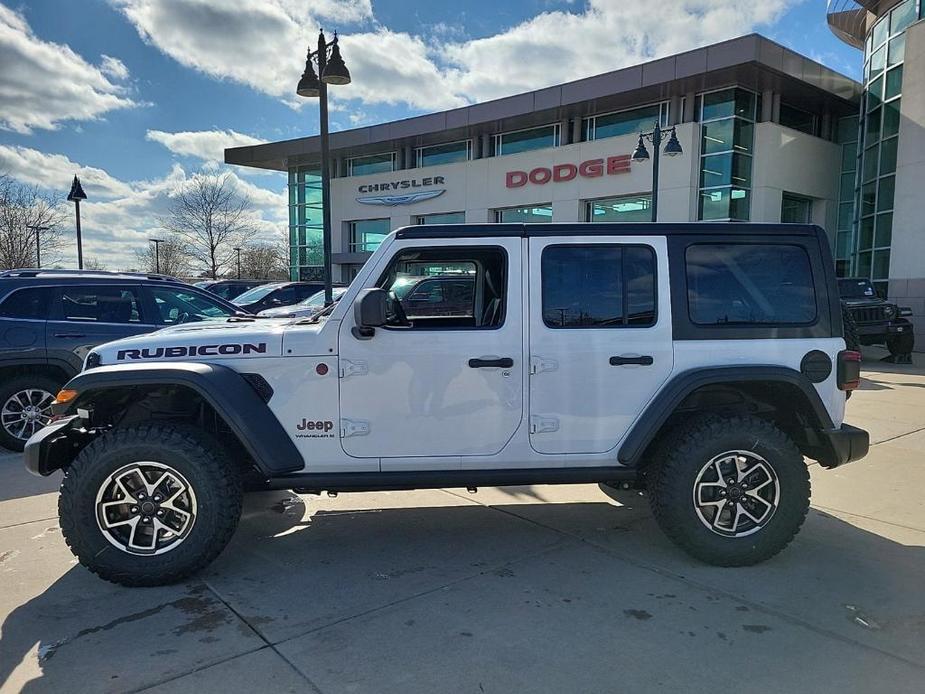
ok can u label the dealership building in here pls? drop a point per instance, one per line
(767, 135)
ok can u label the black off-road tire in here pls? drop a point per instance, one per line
(850, 330)
(901, 345)
(204, 463)
(16, 385)
(672, 479)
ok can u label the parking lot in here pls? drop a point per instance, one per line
(512, 589)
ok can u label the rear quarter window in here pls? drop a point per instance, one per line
(31, 302)
(749, 284)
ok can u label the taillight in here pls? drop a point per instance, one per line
(849, 370)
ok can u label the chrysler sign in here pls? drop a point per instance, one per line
(592, 168)
(391, 197)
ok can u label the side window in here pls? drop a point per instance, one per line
(107, 304)
(749, 284)
(598, 286)
(448, 288)
(26, 303)
(182, 306)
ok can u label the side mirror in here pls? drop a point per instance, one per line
(369, 312)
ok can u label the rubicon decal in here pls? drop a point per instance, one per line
(592, 168)
(225, 350)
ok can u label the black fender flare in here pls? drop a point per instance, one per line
(227, 391)
(673, 393)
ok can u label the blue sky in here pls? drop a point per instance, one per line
(137, 96)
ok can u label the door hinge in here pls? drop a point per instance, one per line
(539, 365)
(353, 427)
(352, 368)
(541, 424)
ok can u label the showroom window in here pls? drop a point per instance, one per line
(525, 140)
(727, 123)
(798, 119)
(449, 153)
(372, 164)
(626, 208)
(534, 214)
(630, 122)
(367, 234)
(441, 218)
(305, 246)
(598, 286)
(795, 209)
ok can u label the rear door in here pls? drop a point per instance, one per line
(600, 338)
(22, 325)
(86, 315)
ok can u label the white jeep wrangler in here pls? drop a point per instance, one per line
(701, 362)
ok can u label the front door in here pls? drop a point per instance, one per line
(445, 377)
(600, 334)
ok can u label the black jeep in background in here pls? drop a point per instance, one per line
(51, 319)
(876, 321)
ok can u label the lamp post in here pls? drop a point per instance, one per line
(75, 196)
(672, 149)
(332, 69)
(238, 251)
(38, 251)
(157, 254)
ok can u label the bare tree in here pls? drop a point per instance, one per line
(211, 219)
(24, 208)
(265, 261)
(172, 258)
(94, 263)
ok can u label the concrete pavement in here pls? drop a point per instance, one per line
(513, 589)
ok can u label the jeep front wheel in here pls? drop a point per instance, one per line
(731, 491)
(149, 505)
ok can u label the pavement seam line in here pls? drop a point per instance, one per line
(898, 436)
(260, 636)
(666, 573)
(37, 520)
(871, 518)
(201, 668)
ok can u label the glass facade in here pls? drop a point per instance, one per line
(727, 131)
(525, 140)
(629, 122)
(441, 218)
(795, 209)
(373, 164)
(449, 153)
(306, 256)
(626, 208)
(875, 168)
(798, 119)
(367, 234)
(534, 214)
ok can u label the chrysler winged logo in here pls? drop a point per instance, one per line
(401, 199)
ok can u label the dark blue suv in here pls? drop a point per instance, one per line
(50, 320)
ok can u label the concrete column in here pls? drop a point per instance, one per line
(477, 148)
(674, 110)
(409, 157)
(486, 145)
(577, 127)
(775, 108)
(565, 135)
(690, 100)
(566, 210)
(767, 106)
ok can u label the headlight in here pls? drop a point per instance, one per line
(889, 311)
(93, 360)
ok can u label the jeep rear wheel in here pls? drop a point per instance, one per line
(149, 505)
(732, 491)
(25, 407)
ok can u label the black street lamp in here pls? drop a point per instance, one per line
(332, 69)
(672, 149)
(38, 251)
(238, 251)
(75, 196)
(157, 254)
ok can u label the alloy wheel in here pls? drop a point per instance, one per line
(146, 508)
(736, 493)
(25, 412)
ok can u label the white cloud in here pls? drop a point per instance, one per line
(44, 83)
(119, 216)
(208, 145)
(260, 43)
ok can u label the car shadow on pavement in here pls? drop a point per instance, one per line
(290, 575)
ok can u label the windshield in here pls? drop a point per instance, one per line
(317, 299)
(856, 289)
(256, 294)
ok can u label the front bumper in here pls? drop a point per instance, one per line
(885, 329)
(843, 445)
(51, 447)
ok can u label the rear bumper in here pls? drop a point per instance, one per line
(844, 445)
(51, 447)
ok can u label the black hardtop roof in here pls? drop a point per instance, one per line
(747, 229)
